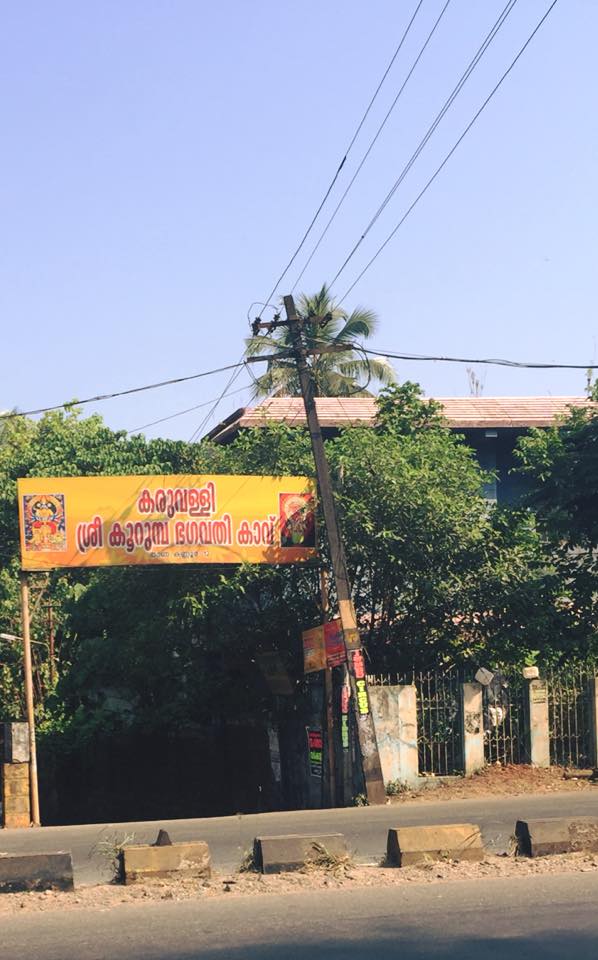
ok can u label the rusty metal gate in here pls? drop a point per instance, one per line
(505, 715)
(569, 715)
(439, 740)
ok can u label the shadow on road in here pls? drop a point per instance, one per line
(388, 944)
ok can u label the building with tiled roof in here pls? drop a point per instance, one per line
(490, 425)
(462, 413)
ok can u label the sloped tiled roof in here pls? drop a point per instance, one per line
(462, 413)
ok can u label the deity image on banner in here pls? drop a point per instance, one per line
(44, 521)
(297, 520)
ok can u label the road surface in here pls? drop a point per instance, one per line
(365, 828)
(532, 918)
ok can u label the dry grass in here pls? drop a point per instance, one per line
(110, 849)
(324, 859)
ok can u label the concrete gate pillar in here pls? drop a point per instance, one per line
(593, 692)
(538, 732)
(394, 709)
(472, 726)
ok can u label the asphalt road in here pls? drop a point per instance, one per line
(365, 828)
(532, 918)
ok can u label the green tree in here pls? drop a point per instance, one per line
(439, 575)
(342, 372)
(562, 465)
(64, 444)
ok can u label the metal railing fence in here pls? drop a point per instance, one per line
(569, 715)
(439, 738)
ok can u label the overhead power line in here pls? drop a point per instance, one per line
(372, 143)
(450, 153)
(181, 413)
(345, 155)
(495, 361)
(431, 129)
(215, 405)
(150, 386)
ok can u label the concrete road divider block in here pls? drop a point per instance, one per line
(540, 838)
(293, 851)
(35, 871)
(415, 845)
(142, 861)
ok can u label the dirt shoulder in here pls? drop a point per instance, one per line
(497, 781)
(107, 897)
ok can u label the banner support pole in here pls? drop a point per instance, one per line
(29, 704)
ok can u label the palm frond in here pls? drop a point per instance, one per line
(342, 372)
(254, 346)
(383, 370)
(360, 323)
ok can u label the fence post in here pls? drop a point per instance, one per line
(472, 726)
(394, 709)
(385, 712)
(538, 732)
(593, 693)
(408, 754)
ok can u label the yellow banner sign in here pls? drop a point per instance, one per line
(125, 521)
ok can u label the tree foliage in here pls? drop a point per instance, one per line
(439, 575)
(562, 463)
(341, 371)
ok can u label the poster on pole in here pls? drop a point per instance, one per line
(128, 521)
(334, 640)
(314, 651)
(323, 646)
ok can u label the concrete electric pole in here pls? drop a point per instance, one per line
(364, 723)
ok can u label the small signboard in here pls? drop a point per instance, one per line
(334, 643)
(323, 647)
(345, 703)
(315, 746)
(314, 650)
(352, 639)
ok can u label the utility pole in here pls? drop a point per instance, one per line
(328, 695)
(370, 757)
(29, 704)
(51, 650)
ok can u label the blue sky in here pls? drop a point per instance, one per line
(160, 161)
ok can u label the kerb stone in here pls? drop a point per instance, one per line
(541, 838)
(35, 871)
(140, 861)
(414, 845)
(293, 851)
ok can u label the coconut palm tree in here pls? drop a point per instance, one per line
(343, 372)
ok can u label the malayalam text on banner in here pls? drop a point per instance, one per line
(125, 521)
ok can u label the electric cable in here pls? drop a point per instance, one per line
(430, 131)
(372, 143)
(493, 361)
(218, 401)
(447, 157)
(180, 413)
(13, 414)
(345, 155)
